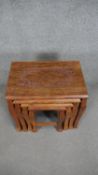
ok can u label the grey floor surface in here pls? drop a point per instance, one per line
(50, 30)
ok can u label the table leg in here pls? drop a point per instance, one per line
(82, 108)
(25, 114)
(74, 114)
(67, 117)
(32, 120)
(14, 115)
(61, 116)
(21, 118)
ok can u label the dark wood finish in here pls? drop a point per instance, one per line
(57, 85)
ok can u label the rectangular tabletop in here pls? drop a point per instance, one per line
(48, 79)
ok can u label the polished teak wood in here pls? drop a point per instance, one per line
(57, 85)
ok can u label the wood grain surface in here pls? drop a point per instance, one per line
(37, 86)
(58, 79)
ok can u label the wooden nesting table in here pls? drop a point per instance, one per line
(36, 86)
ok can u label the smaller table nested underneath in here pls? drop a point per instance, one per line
(46, 86)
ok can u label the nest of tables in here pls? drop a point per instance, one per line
(50, 85)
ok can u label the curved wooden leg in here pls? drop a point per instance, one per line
(74, 114)
(25, 114)
(67, 117)
(22, 121)
(14, 115)
(82, 108)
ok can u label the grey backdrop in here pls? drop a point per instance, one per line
(50, 29)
